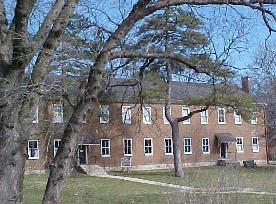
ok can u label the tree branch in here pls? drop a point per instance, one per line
(51, 41)
(20, 40)
(46, 26)
(165, 55)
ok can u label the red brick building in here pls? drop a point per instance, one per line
(123, 128)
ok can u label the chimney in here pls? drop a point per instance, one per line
(246, 84)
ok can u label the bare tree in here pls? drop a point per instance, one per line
(21, 50)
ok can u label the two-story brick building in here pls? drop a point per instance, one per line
(141, 131)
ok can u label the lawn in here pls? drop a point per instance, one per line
(214, 177)
(81, 189)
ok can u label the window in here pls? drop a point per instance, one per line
(35, 118)
(127, 147)
(254, 119)
(221, 116)
(56, 145)
(105, 147)
(204, 117)
(239, 144)
(164, 115)
(187, 145)
(255, 144)
(57, 113)
(237, 118)
(147, 115)
(148, 146)
(126, 114)
(33, 150)
(205, 146)
(168, 146)
(185, 112)
(104, 113)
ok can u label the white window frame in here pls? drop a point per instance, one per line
(104, 114)
(147, 110)
(108, 147)
(57, 112)
(127, 139)
(239, 145)
(188, 121)
(203, 122)
(237, 118)
(165, 120)
(35, 118)
(204, 145)
(254, 119)
(170, 146)
(255, 147)
(56, 149)
(36, 156)
(126, 114)
(151, 146)
(191, 147)
(224, 116)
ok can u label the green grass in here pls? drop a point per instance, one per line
(260, 179)
(81, 189)
(84, 189)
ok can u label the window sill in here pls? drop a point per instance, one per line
(33, 158)
(205, 153)
(105, 156)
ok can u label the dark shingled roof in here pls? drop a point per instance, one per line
(121, 90)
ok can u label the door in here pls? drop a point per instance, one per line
(82, 154)
(223, 150)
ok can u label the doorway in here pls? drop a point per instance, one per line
(223, 150)
(82, 154)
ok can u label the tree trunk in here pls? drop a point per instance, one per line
(178, 169)
(63, 163)
(12, 167)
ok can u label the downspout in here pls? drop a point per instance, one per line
(265, 124)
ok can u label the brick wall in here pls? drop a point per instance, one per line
(137, 131)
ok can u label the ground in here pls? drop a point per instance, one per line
(83, 189)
